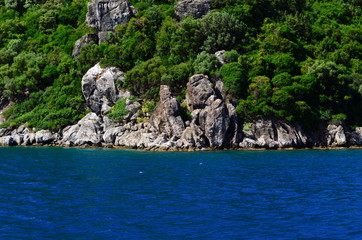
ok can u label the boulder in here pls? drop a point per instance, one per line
(45, 137)
(192, 137)
(110, 135)
(216, 119)
(29, 139)
(105, 15)
(86, 132)
(99, 88)
(233, 134)
(7, 141)
(271, 134)
(335, 136)
(166, 117)
(86, 39)
(199, 89)
(4, 131)
(356, 137)
(133, 107)
(141, 135)
(194, 8)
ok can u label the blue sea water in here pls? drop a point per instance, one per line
(60, 193)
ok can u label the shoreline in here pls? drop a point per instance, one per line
(175, 149)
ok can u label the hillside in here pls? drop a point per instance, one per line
(299, 62)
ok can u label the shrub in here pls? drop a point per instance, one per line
(118, 111)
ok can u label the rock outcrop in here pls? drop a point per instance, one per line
(86, 132)
(199, 90)
(105, 15)
(355, 137)
(86, 39)
(213, 120)
(273, 134)
(166, 117)
(335, 136)
(194, 8)
(23, 136)
(99, 88)
(45, 137)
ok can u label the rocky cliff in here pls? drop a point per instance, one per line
(207, 118)
(103, 16)
(212, 122)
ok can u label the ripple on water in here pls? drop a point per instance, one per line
(56, 193)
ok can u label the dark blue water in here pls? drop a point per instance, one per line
(56, 193)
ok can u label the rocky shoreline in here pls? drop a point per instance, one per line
(213, 123)
(211, 120)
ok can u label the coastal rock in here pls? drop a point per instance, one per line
(86, 39)
(110, 135)
(192, 137)
(4, 132)
(356, 137)
(45, 137)
(166, 117)
(199, 89)
(29, 139)
(216, 119)
(7, 141)
(99, 89)
(335, 136)
(141, 135)
(133, 107)
(105, 15)
(273, 134)
(86, 132)
(234, 131)
(194, 8)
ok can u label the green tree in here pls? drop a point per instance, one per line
(235, 79)
(221, 31)
(205, 63)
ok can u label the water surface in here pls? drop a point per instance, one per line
(60, 193)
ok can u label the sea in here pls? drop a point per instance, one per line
(72, 193)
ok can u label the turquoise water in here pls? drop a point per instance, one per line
(57, 193)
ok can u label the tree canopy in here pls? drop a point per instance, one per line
(294, 60)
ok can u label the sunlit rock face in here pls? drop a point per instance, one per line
(99, 88)
(194, 8)
(105, 15)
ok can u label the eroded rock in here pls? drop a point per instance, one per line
(166, 117)
(45, 137)
(87, 131)
(99, 88)
(335, 136)
(105, 15)
(215, 119)
(199, 90)
(194, 8)
(273, 134)
(356, 137)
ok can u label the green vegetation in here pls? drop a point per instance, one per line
(294, 60)
(118, 111)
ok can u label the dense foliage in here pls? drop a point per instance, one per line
(295, 60)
